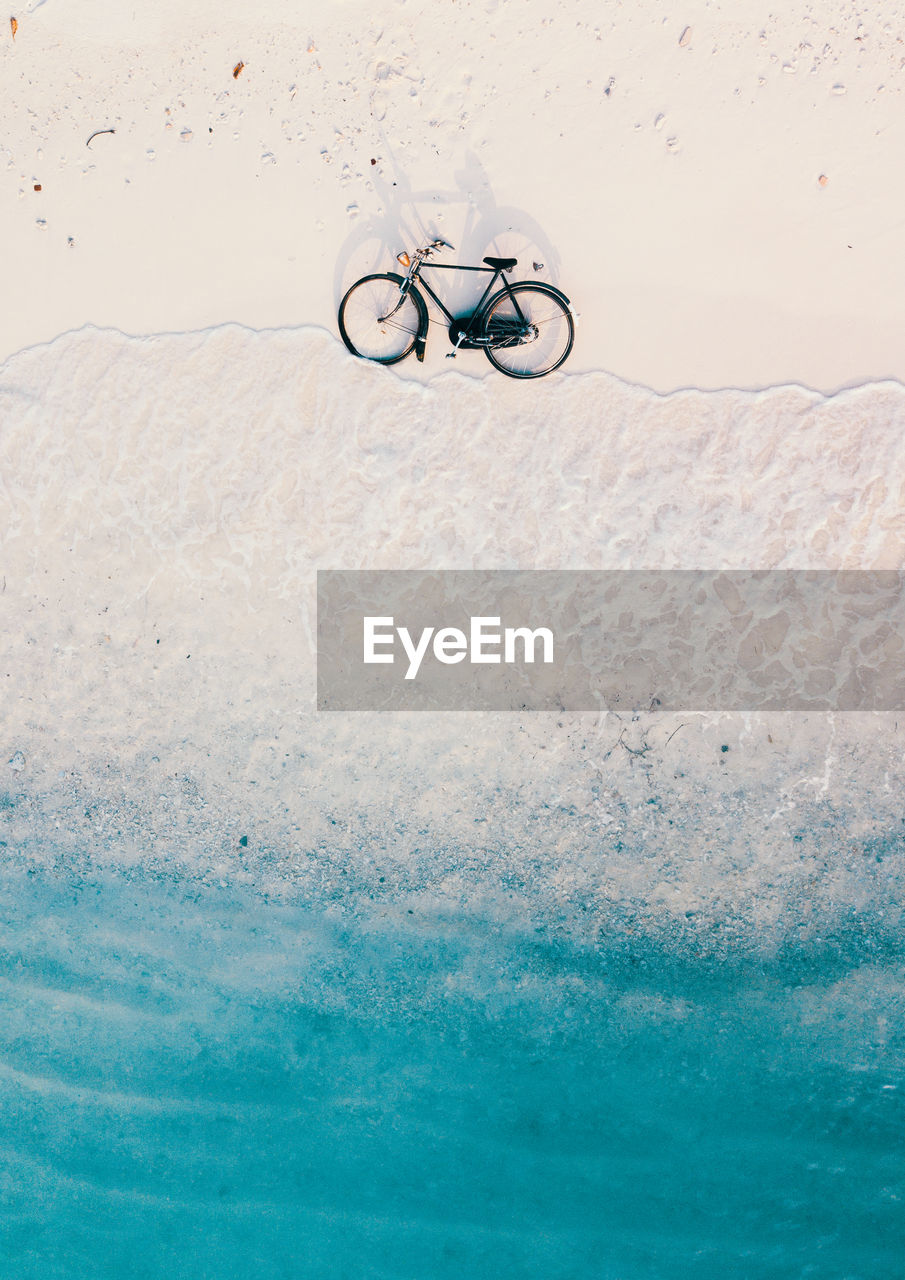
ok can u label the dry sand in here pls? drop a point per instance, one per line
(719, 188)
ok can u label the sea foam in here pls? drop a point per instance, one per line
(166, 504)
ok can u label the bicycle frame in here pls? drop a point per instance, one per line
(464, 332)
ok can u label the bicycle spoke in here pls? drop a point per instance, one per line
(375, 324)
(532, 343)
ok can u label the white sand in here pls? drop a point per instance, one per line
(672, 190)
(165, 503)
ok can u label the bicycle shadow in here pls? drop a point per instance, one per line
(468, 216)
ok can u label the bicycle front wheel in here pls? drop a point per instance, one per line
(376, 323)
(530, 334)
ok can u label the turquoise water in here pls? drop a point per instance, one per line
(199, 1082)
(657, 1030)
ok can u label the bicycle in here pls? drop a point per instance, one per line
(526, 329)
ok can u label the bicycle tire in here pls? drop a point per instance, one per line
(553, 331)
(366, 327)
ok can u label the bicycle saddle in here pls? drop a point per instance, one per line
(502, 264)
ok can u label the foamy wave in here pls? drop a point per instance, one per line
(166, 504)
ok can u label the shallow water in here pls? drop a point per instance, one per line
(200, 1082)
(410, 996)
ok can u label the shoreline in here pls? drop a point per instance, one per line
(434, 370)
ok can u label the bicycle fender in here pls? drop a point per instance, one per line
(423, 318)
(551, 288)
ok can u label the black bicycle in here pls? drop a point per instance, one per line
(525, 329)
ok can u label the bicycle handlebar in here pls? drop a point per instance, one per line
(413, 262)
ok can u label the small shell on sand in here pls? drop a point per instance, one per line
(822, 180)
(685, 38)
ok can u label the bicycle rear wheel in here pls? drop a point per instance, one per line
(375, 324)
(531, 339)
